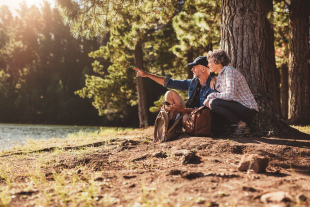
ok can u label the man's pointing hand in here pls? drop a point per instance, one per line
(140, 73)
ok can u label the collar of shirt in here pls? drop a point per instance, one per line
(223, 69)
(207, 84)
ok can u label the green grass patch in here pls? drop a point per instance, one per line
(75, 139)
(304, 129)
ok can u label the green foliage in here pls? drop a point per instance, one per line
(280, 20)
(113, 91)
(128, 24)
(165, 29)
(41, 66)
(197, 27)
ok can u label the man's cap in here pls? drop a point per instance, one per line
(202, 60)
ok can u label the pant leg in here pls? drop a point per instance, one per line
(173, 97)
(233, 111)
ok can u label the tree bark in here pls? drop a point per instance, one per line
(284, 91)
(189, 60)
(247, 36)
(142, 100)
(298, 62)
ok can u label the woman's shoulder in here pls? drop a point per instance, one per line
(232, 70)
(229, 68)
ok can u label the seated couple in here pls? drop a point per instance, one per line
(231, 99)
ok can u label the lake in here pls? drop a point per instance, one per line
(17, 134)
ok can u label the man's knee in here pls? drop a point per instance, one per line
(171, 94)
(214, 105)
(174, 98)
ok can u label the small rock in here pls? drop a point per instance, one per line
(181, 152)
(276, 197)
(237, 149)
(130, 142)
(98, 179)
(191, 158)
(249, 189)
(200, 200)
(300, 198)
(129, 176)
(143, 157)
(254, 162)
(213, 204)
(24, 194)
(78, 171)
(160, 154)
(175, 172)
(192, 175)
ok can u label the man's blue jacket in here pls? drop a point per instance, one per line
(190, 86)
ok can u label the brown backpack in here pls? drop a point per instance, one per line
(199, 122)
(162, 131)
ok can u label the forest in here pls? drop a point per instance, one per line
(73, 64)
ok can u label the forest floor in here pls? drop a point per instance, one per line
(126, 168)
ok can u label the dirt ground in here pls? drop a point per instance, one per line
(190, 171)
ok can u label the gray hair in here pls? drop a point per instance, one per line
(219, 55)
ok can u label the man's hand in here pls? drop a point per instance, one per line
(178, 109)
(174, 107)
(213, 83)
(140, 73)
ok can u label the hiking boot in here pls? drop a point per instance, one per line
(240, 130)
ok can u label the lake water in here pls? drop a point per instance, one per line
(16, 134)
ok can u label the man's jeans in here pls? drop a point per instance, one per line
(232, 111)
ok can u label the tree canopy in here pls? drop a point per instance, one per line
(50, 57)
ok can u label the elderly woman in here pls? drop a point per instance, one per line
(234, 100)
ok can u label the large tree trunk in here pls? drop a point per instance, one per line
(298, 65)
(189, 60)
(284, 91)
(248, 38)
(142, 100)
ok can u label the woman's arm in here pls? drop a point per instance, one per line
(228, 82)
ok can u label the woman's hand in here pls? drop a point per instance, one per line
(140, 73)
(213, 83)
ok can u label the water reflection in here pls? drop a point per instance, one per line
(16, 134)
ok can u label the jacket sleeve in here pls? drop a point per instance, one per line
(177, 84)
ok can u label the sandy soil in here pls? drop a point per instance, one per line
(191, 171)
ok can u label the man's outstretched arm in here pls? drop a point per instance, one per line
(141, 73)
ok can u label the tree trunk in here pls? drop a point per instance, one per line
(189, 60)
(298, 66)
(284, 91)
(247, 36)
(142, 100)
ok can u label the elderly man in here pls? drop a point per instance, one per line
(198, 88)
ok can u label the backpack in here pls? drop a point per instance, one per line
(165, 129)
(199, 122)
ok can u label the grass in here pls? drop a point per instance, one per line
(5, 197)
(46, 172)
(53, 182)
(304, 129)
(80, 138)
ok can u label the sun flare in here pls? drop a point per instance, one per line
(15, 4)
